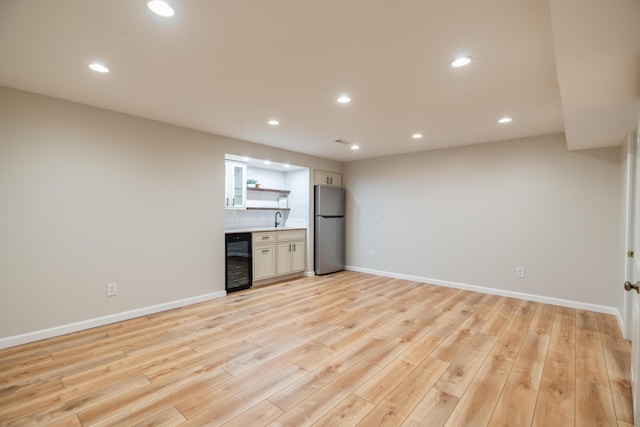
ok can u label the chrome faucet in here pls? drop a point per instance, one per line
(278, 222)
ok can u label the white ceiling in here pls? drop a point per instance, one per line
(264, 164)
(228, 66)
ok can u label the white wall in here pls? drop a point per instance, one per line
(90, 196)
(300, 215)
(471, 215)
(298, 182)
(266, 178)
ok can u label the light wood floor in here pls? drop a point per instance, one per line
(340, 350)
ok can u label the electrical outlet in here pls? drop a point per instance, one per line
(520, 272)
(112, 289)
(372, 254)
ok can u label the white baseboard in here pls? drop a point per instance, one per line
(492, 291)
(309, 273)
(117, 317)
(104, 320)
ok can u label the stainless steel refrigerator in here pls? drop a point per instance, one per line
(329, 229)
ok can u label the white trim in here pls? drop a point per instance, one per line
(630, 206)
(492, 291)
(104, 320)
(309, 273)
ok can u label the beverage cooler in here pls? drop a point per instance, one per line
(238, 272)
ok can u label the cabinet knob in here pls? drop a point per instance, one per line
(629, 286)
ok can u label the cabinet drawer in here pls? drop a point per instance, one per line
(288, 235)
(264, 237)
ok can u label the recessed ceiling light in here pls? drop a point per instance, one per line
(161, 8)
(505, 120)
(344, 99)
(355, 147)
(416, 136)
(99, 67)
(267, 162)
(461, 61)
(273, 122)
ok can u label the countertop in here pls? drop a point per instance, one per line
(256, 229)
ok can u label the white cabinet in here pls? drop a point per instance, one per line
(298, 256)
(235, 194)
(264, 255)
(278, 253)
(290, 257)
(284, 258)
(264, 237)
(291, 251)
(264, 261)
(327, 178)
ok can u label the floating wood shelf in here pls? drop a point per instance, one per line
(268, 190)
(268, 209)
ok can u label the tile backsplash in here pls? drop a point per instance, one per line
(241, 218)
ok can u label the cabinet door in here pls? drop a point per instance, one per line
(264, 262)
(335, 179)
(283, 258)
(321, 178)
(297, 255)
(239, 188)
(236, 187)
